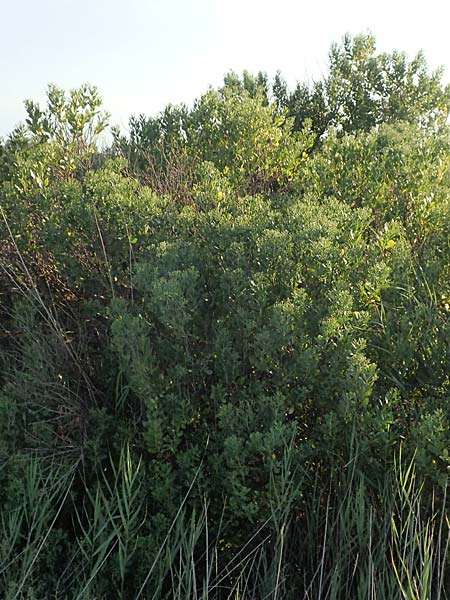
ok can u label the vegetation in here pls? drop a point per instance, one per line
(225, 342)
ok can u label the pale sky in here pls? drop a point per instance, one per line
(143, 54)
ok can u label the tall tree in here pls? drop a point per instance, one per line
(364, 88)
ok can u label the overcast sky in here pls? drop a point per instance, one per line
(143, 54)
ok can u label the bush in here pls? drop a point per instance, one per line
(233, 387)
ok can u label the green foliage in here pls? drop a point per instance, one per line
(73, 120)
(224, 342)
(364, 89)
(248, 140)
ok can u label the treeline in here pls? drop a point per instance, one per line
(225, 341)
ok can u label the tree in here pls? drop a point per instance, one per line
(364, 89)
(255, 85)
(76, 119)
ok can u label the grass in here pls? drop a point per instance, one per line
(343, 542)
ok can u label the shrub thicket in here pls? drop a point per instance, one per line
(225, 342)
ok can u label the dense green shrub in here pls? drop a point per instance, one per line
(216, 341)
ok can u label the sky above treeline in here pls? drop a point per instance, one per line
(144, 54)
